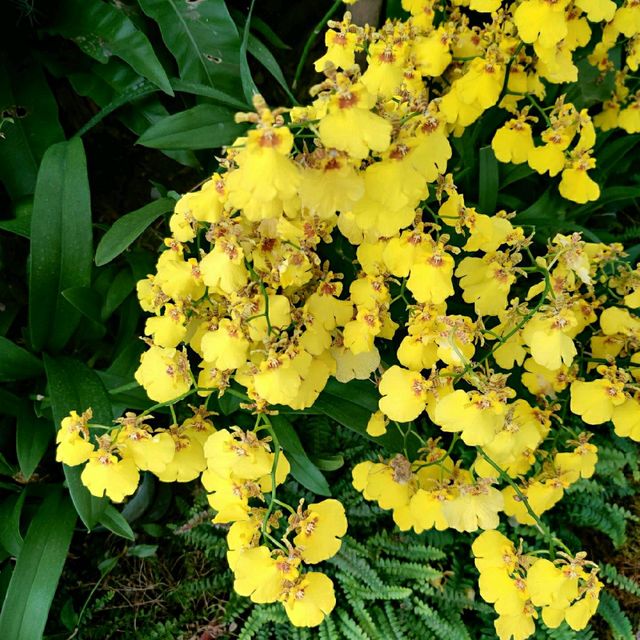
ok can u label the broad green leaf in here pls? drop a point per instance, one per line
(33, 435)
(128, 228)
(103, 83)
(25, 96)
(61, 244)
(136, 92)
(208, 92)
(121, 286)
(74, 386)
(19, 226)
(206, 126)
(17, 363)
(103, 30)
(141, 500)
(10, 536)
(113, 520)
(351, 405)
(202, 38)
(488, 187)
(38, 568)
(86, 301)
(9, 404)
(513, 173)
(302, 469)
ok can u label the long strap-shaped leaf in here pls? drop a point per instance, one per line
(38, 568)
(61, 244)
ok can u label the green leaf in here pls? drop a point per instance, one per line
(266, 59)
(73, 386)
(26, 97)
(202, 38)
(113, 520)
(37, 571)
(302, 469)
(120, 288)
(103, 83)
(87, 302)
(128, 228)
(17, 363)
(61, 244)
(10, 536)
(208, 92)
(139, 90)
(248, 85)
(19, 226)
(103, 30)
(205, 126)
(32, 439)
(351, 405)
(143, 550)
(488, 187)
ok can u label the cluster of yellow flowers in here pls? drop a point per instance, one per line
(516, 583)
(237, 469)
(243, 291)
(114, 462)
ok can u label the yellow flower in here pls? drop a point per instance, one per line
(377, 425)
(576, 185)
(430, 279)
(541, 497)
(72, 439)
(476, 506)
(238, 452)
(494, 553)
(541, 21)
(626, 419)
(425, 509)
(350, 125)
(149, 452)
(550, 340)
(486, 282)
(105, 474)
(164, 373)
(226, 347)
(332, 187)
(188, 461)
(579, 613)
(204, 205)
(320, 530)
(261, 575)
(513, 141)
(594, 401)
(432, 53)
(341, 47)
(223, 269)
(404, 394)
(310, 599)
(169, 329)
(266, 180)
(477, 417)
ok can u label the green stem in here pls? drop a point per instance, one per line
(544, 530)
(516, 328)
(256, 278)
(274, 466)
(125, 387)
(311, 40)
